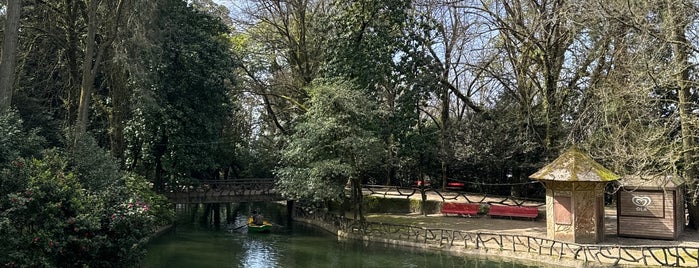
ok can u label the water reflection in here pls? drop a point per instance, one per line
(259, 253)
(292, 246)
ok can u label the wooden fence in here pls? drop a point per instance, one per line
(449, 195)
(642, 255)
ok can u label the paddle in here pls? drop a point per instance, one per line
(236, 228)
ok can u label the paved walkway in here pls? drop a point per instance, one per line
(535, 228)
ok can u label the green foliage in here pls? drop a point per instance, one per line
(178, 128)
(55, 222)
(43, 223)
(365, 40)
(141, 189)
(71, 211)
(15, 143)
(95, 167)
(334, 142)
(387, 205)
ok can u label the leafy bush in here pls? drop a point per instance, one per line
(159, 206)
(54, 221)
(15, 143)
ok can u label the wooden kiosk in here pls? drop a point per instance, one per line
(650, 207)
(574, 197)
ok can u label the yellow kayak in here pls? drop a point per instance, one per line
(265, 227)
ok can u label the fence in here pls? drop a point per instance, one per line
(645, 255)
(224, 191)
(397, 191)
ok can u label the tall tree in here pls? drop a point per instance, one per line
(177, 132)
(677, 20)
(9, 54)
(283, 54)
(109, 22)
(333, 146)
(366, 41)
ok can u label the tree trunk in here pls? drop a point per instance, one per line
(71, 16)
(89, 67)
(118, 114)
(681, 49)
(357, 185)
(445, 145)
(8, 59)
(93, 58)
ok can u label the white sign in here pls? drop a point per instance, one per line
(641, 202)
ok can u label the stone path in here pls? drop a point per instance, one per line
(535, 228)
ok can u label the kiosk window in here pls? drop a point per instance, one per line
(561, 210)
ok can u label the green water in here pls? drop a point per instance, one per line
(296, 245)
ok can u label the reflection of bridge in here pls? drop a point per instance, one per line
(225, 191)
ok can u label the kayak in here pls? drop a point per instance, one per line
(265, 227)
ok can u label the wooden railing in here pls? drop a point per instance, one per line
(409, 192)
(642, 255)
(224, 191)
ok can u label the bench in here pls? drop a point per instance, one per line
(418, 183)
(513, 211)
(455, 185)
(469, 209)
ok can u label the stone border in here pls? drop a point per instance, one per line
(509, 245)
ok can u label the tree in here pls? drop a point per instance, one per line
(177, 132)
(677, 20)
(9, 54)
(95, 50)
(334, 145)
(445, 35)
(282, 52)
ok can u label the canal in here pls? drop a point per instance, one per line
(288, 245)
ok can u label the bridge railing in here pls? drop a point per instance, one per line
(221, 191)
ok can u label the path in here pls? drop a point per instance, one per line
(537, 228)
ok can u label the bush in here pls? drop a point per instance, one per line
(15, 145)
(54, 221)
(386, 205)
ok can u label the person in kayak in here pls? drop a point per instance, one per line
(257, 218)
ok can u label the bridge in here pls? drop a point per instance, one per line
(225, 191)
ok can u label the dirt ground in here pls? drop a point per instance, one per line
(536, 228)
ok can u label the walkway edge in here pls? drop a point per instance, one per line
(484, 253)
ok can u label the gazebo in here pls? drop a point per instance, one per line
(575, 197)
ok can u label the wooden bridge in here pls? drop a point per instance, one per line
(225, 191)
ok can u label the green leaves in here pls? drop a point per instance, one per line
(179, 129)
(335, 141)
(55, 221)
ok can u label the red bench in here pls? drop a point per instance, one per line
(469, 209)
(418, 183)
(513, 211)
(454, 185)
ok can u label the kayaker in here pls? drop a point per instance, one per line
(257, 218)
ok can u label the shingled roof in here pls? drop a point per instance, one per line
(574, 165)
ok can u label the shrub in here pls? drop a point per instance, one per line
(55, 222)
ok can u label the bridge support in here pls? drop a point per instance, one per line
(289, 212)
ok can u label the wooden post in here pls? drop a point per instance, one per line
(217, 215)
(289, 211)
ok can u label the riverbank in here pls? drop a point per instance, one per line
(523, 240)
(159, 232)
(524, 259)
